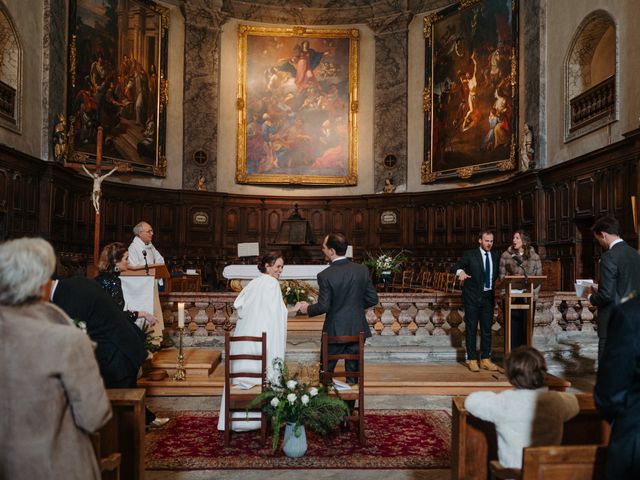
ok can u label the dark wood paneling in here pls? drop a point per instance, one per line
(556, 206)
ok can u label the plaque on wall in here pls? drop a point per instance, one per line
(388, 217)
(200, 218)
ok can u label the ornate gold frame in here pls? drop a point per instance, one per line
(429, 173)
(242, 176)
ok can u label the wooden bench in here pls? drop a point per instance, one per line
(474, 443)
(556, 462)
(124, 433)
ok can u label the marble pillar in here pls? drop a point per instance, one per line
(203, 21)
(390, 117)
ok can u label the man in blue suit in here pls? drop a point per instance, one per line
(478, 269)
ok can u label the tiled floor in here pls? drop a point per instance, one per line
(582, 384)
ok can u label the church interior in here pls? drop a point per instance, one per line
(234, 128)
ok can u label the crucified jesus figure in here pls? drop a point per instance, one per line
(97, 182)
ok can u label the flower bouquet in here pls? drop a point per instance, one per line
(294, 292)
(386, 263)
(286, 400)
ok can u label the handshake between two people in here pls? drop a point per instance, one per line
(300, 307)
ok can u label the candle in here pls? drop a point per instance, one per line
(181, 315)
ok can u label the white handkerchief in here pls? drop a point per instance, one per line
(340, 386)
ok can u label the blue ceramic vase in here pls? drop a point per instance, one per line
(292, 446)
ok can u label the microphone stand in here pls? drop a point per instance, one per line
(146, 265)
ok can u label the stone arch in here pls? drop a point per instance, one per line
(10, 73)
(592, 60)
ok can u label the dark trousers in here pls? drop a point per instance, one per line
(480, 312)
(127, 378)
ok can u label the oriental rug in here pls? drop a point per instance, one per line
(404, 439)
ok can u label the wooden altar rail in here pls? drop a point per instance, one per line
(402, 314)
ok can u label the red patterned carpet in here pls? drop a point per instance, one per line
(406, 439)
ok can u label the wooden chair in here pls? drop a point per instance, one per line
(357, 390)
(237, 399)
(405, 282)
(558, 462)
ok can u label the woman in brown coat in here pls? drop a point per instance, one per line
(52, 393)
(520, 259)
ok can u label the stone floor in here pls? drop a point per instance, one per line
(581, 384)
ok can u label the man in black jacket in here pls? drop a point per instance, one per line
(619, 274)
(346, 291)
(617, 392)
(120, 348)
(478, 269)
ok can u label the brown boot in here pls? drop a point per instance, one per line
(488, 365)
(473, 365)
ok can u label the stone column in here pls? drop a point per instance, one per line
(391, 84)
(203, 21)
(54, 54)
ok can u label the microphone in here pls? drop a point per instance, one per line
(146, 265)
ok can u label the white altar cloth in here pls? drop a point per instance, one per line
(290, 272)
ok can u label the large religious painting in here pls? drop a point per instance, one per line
(117, 81)
(297, 106)
(470, 95)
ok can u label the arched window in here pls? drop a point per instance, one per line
(10, 73)
(590, 73)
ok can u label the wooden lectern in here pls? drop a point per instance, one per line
(527, 284)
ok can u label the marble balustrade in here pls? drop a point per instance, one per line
(398, 314)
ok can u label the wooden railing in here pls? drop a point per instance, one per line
(595, 103)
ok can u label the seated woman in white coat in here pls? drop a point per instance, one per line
(528, 416)
(260, 308)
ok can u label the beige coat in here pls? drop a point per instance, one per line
(51, 395)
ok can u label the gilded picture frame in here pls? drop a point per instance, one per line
(297, 106)
(470, 98)
(118, 81)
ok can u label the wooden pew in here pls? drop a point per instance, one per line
(124, 433)
(577, 462)
(474, 443)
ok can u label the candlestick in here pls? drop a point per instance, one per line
(181, 372)
(181, 315)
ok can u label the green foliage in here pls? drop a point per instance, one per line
(386, 262)
(286, 400)
(294, 292)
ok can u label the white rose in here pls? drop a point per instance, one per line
(291, 398)
(304, 399)
(275, 402)
(291, 384)
(313, 392)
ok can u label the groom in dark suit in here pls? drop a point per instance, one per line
(345, 292)
(478, 269)
(619, 274)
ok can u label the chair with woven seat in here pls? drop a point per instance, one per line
(356, 393)
(237, 399)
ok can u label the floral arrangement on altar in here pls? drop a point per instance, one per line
(294, 292)
(287, 400)
(386, 263)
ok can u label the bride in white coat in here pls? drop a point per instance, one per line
(260, 309)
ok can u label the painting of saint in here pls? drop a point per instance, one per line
(114, 82)
(296, 125)
(471, 123)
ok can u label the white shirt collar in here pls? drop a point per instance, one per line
(54, 285)
(338, 258)
(615, 242)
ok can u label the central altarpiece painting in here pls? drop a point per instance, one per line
(297, 106)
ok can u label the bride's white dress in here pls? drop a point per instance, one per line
(260, 309)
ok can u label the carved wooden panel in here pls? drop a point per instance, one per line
(231, 221)
(4, 189)
(585, 197)
(475, 213)
(253, 221)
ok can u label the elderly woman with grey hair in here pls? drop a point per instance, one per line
(52, 392)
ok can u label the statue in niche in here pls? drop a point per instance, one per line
(202, 184)
(60, 139)
(389, 186)
(526, 150)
